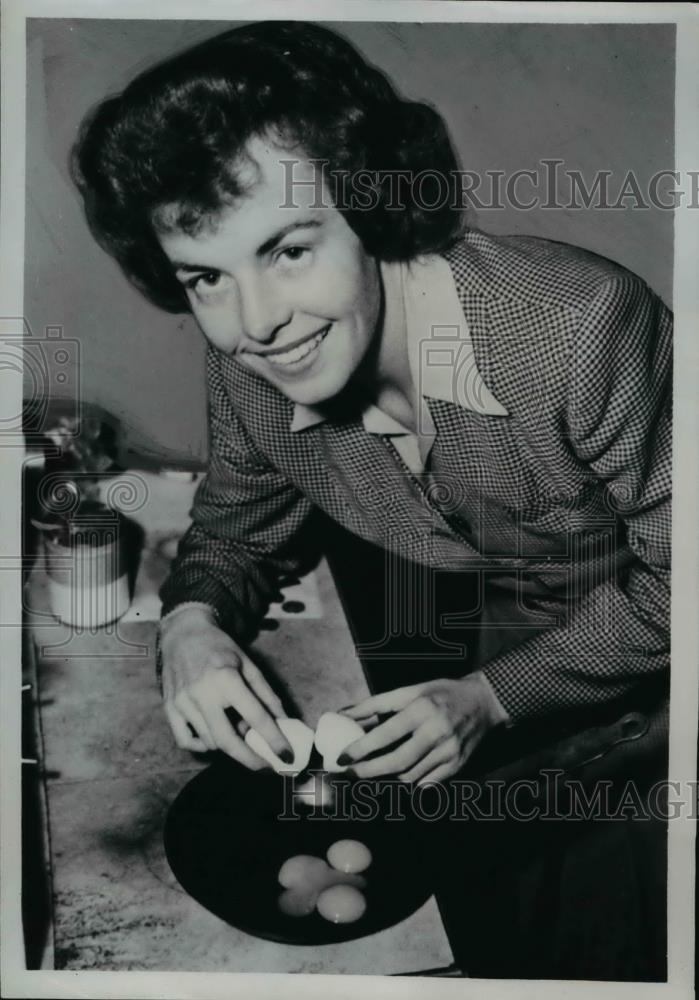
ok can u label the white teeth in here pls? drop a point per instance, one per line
(296, 353)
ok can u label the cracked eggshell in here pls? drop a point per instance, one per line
(300, 737)
(334, 733)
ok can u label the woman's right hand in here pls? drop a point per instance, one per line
(204, 673)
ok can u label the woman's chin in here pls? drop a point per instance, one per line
(314, 390)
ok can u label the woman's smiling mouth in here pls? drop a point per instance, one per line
(287, 356)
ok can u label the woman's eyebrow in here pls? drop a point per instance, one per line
(264, 248)
(271, 243)
(180, 265)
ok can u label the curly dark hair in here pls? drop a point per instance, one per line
(163, 153)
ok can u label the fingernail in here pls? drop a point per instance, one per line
(287, 756)
(344, 759)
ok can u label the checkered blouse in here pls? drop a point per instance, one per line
(547, 470)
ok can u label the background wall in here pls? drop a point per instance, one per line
(599, 97)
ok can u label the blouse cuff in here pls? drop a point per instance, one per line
(190, 604)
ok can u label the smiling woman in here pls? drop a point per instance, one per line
(288, 290)
(491, 407)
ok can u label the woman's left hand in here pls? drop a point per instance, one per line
(440, 722)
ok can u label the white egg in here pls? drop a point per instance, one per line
(300, 737)
(334, 733)
(345, 878)
(302, 871)
(341, 904)
(349, 856)
(297, 902)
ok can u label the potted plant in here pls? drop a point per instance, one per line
(84, 539)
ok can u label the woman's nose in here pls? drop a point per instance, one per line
(263, 310)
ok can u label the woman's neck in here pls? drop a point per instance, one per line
(385, 377)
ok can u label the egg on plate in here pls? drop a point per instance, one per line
(341, 904)
(350, 856)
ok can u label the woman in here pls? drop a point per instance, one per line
(470, 403)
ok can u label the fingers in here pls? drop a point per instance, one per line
(440, 773)
(448, 759)
(228, 740)
(183, 737)
(401, 759)
(438, 756)
(388, 732)
(389, 701)
(204, 674)
(243, 700)
(242, 727)
(367, 722)
(215, 732)
(191, 713)
(259, 685)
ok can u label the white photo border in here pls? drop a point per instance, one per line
(17, 982)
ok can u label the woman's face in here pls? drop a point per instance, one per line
(289, 292)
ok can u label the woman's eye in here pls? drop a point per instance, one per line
(209, 279)
(293, 253)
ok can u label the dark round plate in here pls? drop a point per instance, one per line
(225, 842)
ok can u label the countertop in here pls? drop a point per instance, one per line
(111, 770)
